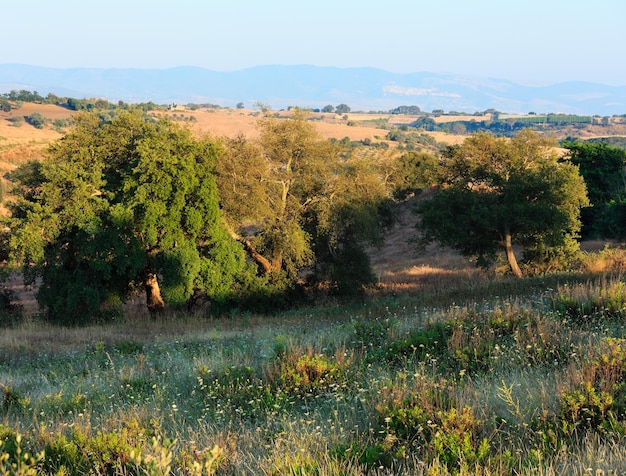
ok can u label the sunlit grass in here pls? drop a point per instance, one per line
(475, 379)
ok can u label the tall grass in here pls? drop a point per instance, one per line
(487, 377)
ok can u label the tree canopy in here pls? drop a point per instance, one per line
(412, 172)
(298, 202)
(117, 204)
(495, 193)
(602, 167)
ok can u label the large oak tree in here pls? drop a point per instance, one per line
(117, 205)
(495, 193)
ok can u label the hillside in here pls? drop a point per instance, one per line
(22, 142)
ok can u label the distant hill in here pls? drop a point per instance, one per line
(366, 89)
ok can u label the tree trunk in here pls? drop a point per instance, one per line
(510, 256)
(261, 260)
(154, 300)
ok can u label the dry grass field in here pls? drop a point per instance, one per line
(355, 126)
(25, 142)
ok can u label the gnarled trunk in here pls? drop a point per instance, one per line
(510, 255)
(154, 300)
(267, 265)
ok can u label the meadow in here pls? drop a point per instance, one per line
(480, 375)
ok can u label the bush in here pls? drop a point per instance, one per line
(36, 120)
(300, 373)
(16, 121)
(11, 312)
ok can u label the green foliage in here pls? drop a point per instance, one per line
(495, 193)
(411, 110)
(412, 172)
(16, 121)
(455, 444)
(428, 419)
(5, 105)
(411, 140)
(609, 305)
(586, 406)
(598, 401)
(309, 373)
(297, 371)
(11, 311)
(602, 167)
(121, 201)
(432, 340)
(10, 399)
(294, 202)
(64, 455)
(24, 96)
(371, 333)
(14, 461)
(371, 456)
(36, 120)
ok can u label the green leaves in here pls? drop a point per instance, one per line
(296, 201)
(115, 202)
(494, 190)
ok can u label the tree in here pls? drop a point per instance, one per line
(602, 167)
(408, 110)
(328, 108)
(293, 200)
(118, 205)
(496, 193)
(36, 120)
(412, 172)
(342, 109)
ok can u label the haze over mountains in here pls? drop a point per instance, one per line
(366, 89)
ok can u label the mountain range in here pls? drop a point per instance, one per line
(366, 89)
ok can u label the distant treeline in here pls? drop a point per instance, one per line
(74, 104)
(510, 125)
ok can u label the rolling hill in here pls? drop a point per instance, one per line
(365, 89)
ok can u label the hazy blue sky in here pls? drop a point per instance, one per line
(527, 40)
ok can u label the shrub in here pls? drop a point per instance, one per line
(16, 121)
(36, 120)
(431, 340)
(608, 303)
(598, 401)
(13, 459)
(298, 372)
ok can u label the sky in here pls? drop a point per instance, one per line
(529, 41)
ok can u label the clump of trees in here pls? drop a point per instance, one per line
(125, 203)
(129, 203)
(412, 172)
(408, 110)
(602, 167)
(299, 203)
